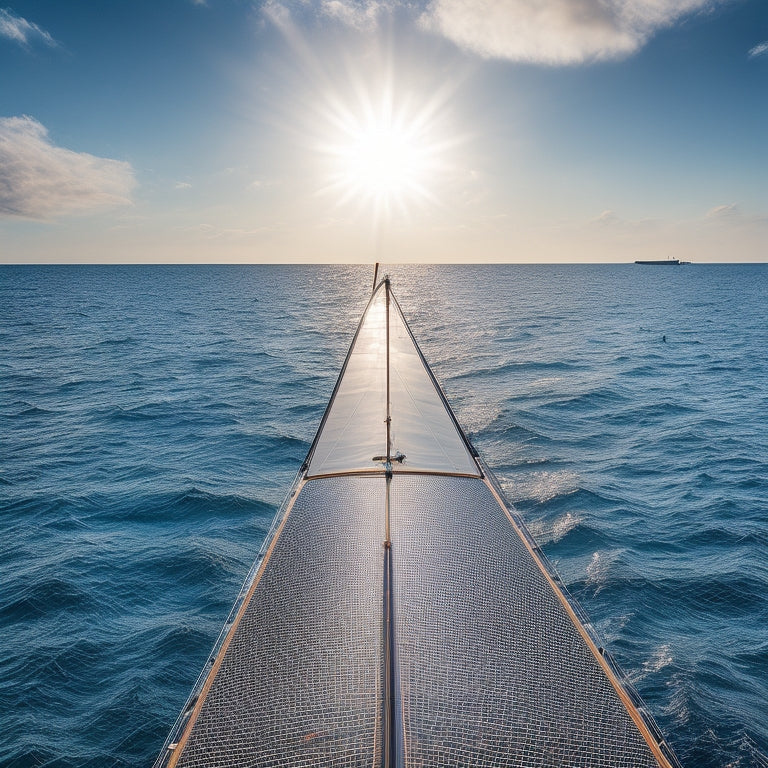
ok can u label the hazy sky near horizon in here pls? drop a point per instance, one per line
(399, 130)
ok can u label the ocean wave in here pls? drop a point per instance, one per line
(600, 398)
(599, 568)
(546, 382)
(190, 504)
(117, 341)
(192, 558)
(540, 487)
(144, 411)
(24, 408)
(547, 531)
(39, 598)
(662, 657)
(530, 366)
(730, 594)
(212, 361)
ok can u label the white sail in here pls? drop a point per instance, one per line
(423, 435)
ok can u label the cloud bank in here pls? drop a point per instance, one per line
(551, 32)
(22, 31)
(41, 181)
(358, 14)
(555, 32)
(354, 14)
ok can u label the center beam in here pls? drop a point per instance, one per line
(391, 756)
(389, 740)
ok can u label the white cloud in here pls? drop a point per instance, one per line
(22, 31)
(354, 14)
(609, 220)
(759, 49)
(277, 13)
(606, 218)
(359, 14)
(732, 215)
(555, 32)
(39, 180)
(728, 210)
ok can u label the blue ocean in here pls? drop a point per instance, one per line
(153, 418)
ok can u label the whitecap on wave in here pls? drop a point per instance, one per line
(541, 487)
(661, 657)
(598, 569)
(550, 532)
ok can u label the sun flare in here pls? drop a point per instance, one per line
(384, 154)
(383, 159)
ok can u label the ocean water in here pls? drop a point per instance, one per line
(152, 419)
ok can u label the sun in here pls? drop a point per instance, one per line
(384, 160)
(370, 130)
(383, 153)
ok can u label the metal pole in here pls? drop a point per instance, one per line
(389, 719)
(389, 414)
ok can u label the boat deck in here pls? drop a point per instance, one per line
(490, 666)
(401, 616)
(299, 683)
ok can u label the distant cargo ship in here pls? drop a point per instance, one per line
(664, 261)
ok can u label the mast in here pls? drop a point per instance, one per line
(389, 402)
(389, 720)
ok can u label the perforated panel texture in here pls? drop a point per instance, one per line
(300, 683)
(489, 668)
(492, 671)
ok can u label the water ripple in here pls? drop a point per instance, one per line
(149, 430)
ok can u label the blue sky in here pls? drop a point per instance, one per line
(512, 130)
